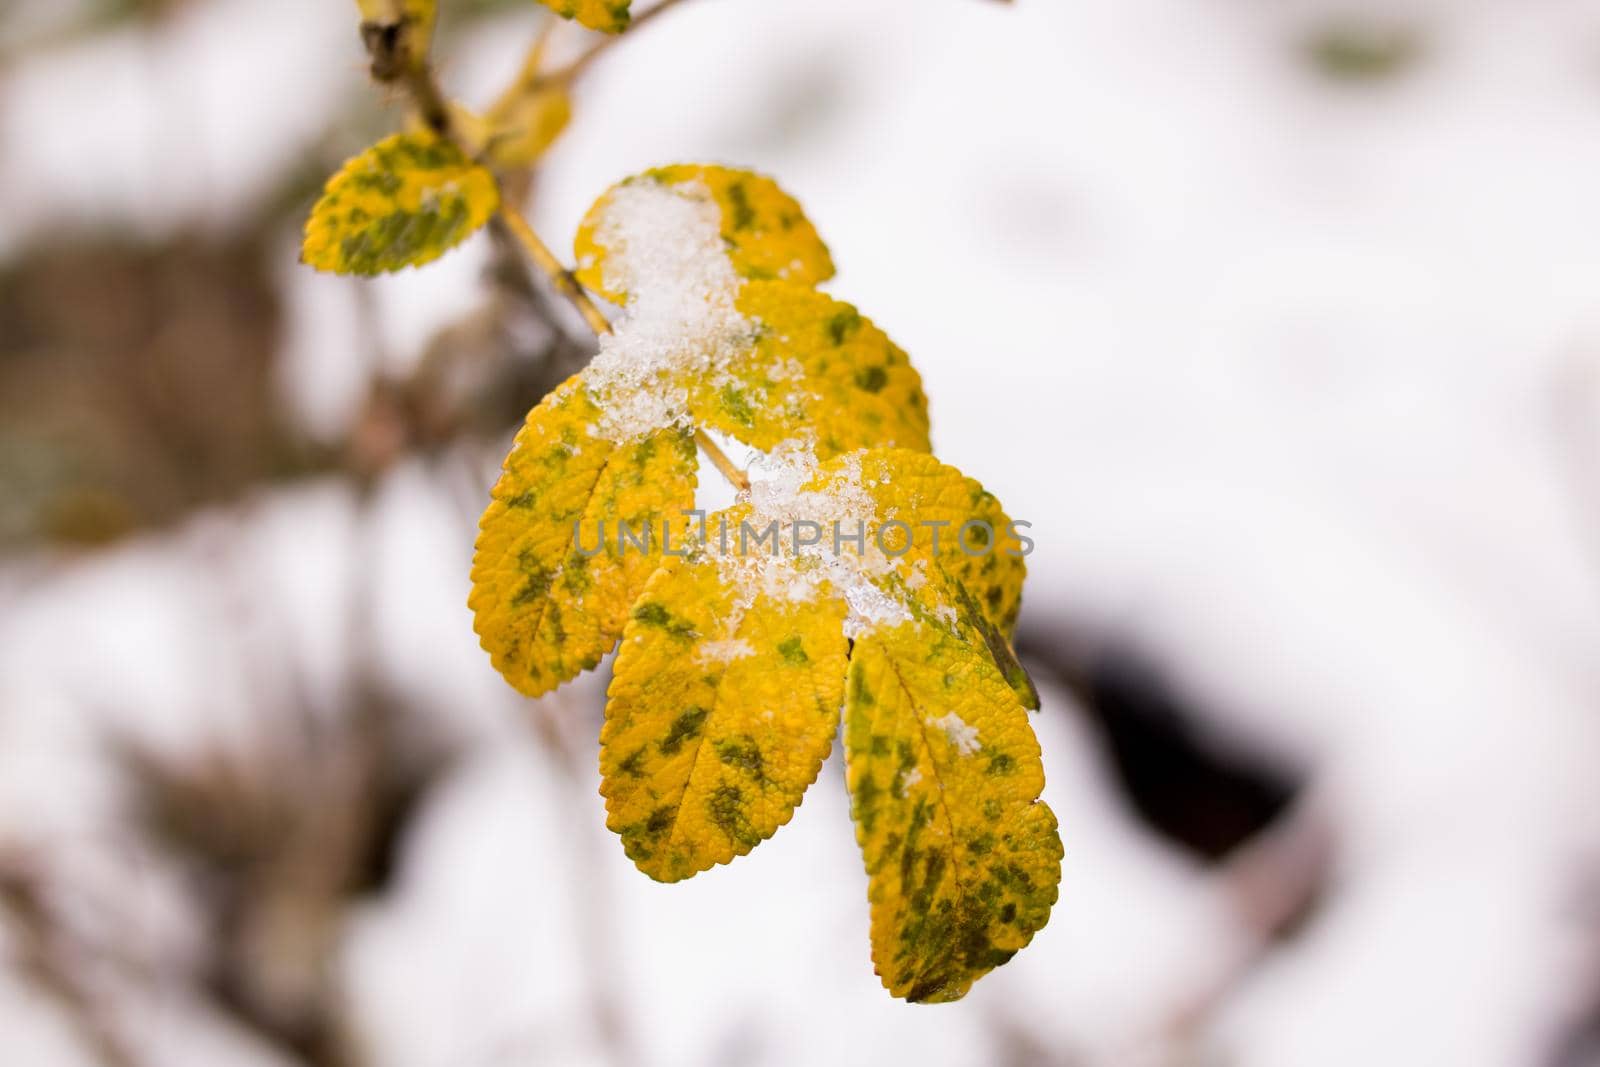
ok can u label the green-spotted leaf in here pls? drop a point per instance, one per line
(970, 614)
(723, 706)
(951, 518)
(767, 235)
(963, 859)
(734, 659)
(404, 202)
(816, 370)
(966, 563)
(546, 604)
(723, 326)
(607, 16)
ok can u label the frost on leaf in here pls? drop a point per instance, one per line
(684, 353)
(744, 643)
(722, 709)
(404, 202)
(544, 610)
(952, 518)
(855, 567)
(963, 859)
(701, 344)
(681, 323)
(765, 233)
(607, 16)
(938, 548)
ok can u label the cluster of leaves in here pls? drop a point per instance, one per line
(727, 687)
(732, 671)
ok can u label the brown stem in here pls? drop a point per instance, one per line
(559, 275)
(1273, 883)
(564, 281)
(430, 102)
(719, 459)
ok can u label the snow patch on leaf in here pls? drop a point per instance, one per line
(963, 737)
(723, 652)
(787, 494)
(681, 320)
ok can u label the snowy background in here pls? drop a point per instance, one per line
(1279, 319)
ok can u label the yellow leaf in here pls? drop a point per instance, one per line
(522, 127)
(962, 858)
(767, 234)
(722, 709)
(952, 519)
(402, 203)
(528, 117)
(959, 561)
(544, 610)
(819, 371)
(607, 16)
(983, 632)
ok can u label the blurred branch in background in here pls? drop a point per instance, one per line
(1363, 49)
(30, 28)
(136, 384)
(281, 838)
(56, 960)
(139, 383)
(1202, 793)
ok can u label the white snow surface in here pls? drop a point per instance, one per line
(963, 736)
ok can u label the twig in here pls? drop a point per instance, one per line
(529, 79)
(1273, 884)
(569, 73)
(47, 952)
(719, 459)
(553, 269)
(568, 286)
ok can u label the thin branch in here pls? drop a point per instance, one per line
(1273, 883)
(569, 73)
(719, 459)
(46, 954)
(529, 78)
(568, 285)
(553, 269)
(431, 104)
